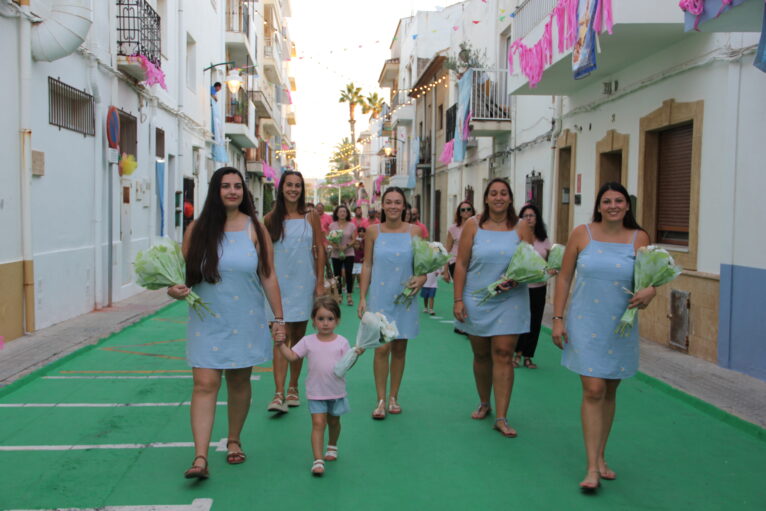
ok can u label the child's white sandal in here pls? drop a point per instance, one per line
(317, 468)
(332, 453)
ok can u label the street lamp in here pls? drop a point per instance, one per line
(233, 81)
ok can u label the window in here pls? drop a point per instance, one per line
(128, 134)
(191, 62)
(674, 162)
(70, 108)
(451, 116)
(441, 117)
(159, 146)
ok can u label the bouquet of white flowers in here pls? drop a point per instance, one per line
(336, 237)
(556, 256)
(374, 331)
(163, 265)
(525, 267)
(427, 256)
(654, 267)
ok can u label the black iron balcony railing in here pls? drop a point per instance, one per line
(238, 17)
(138, 30)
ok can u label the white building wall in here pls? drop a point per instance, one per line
(69, 203)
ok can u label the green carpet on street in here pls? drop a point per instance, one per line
(669, 450)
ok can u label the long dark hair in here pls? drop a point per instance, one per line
(511, 217)
(391, 189)
(628, 221)
(335, 213)
(207, 235)
(541, 233)
(275, 220)
(458, 216)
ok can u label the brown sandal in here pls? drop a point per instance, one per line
(529, 364)
(196, 472)
(516, 360)
(235, 458)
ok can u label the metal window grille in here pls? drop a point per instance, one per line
(138, 30)
(529, 14)
(70, 108)
(489, 98)
(128, 134)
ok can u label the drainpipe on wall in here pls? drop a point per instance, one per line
(432, 198)
(25, 167)
(180, 127)
(98, 152)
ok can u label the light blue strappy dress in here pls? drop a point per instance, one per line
(392, 266)
(236, 335)
(508, 312)
(295, 268)
(598, 302)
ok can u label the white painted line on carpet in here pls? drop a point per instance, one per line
(153, 377)
(95, 405)
(196, 505)
(437, 317)
(220, 446)
(447, 321)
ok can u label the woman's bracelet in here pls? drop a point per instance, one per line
(278, 321)
(457, 300)
(558, 317)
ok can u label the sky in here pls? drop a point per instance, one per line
(328, 36)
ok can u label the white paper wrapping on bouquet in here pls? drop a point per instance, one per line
(374, 331)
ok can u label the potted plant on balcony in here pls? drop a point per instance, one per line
(466, 58)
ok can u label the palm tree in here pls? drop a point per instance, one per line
(373, 103)
(353, 96)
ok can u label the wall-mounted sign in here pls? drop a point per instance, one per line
(113, 127)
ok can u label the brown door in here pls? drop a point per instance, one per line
(611, 168)
(564, 195)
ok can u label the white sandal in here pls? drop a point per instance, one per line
(317, 468)
(332, 453)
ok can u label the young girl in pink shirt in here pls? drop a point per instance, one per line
(325, 391)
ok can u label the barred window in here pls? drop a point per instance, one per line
(70, 108)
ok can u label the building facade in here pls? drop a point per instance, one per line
(73, 218)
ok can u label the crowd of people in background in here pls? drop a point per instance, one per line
(238, 264)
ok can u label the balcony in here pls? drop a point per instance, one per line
(272, 61)
(490, 103)
(138, 33)
(389, 74)
(640, 30)
(239, 127)
(271, 127)
(291, 118)
(238, 39)
(742, 16)
(402, 109)
(263, 104)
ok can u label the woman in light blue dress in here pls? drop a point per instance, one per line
(229, 263)
(603, 253)
(299, 258)
(486, 246)
(385, 273)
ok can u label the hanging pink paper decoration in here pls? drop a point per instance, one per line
(154, 75)
(534, 59)
(447, 152)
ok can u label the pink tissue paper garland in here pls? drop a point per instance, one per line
(447, 152)
(154, 75)
(534, 59)
(697, 8)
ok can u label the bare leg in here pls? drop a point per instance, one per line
(240, 392)
(294, 333)
(398, 355)
(482, 366)
(380, 369)
(204, 395)
(333, 423)
(502, 374)
(610, 402)
(592, 415)
(318, 424)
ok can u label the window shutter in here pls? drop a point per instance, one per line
(674, 185)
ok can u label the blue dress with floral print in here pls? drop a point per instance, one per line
(236, 335)
(604, 272)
